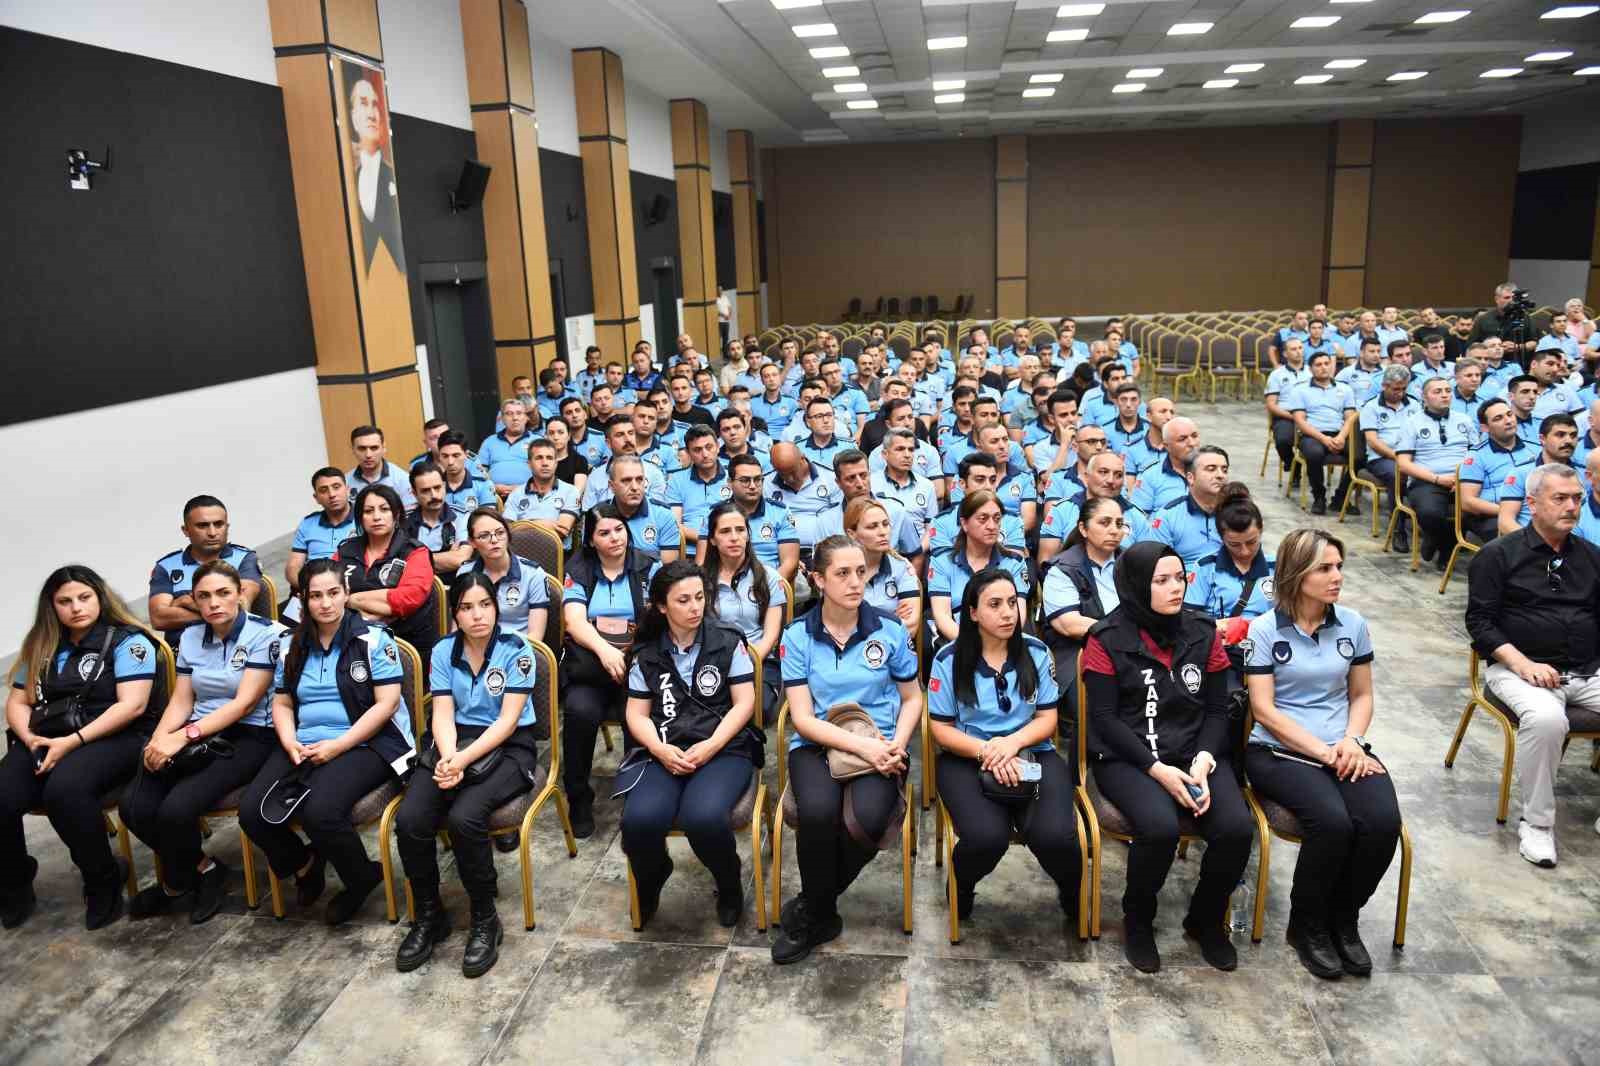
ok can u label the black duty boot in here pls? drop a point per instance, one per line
(1139, 945)
(310, 885)
(803, 931)
(483, 938)
(156, 900)
(506, 843)
(966, 899)
(1315, 948)
(1319, 505)
(730, 902)
(210, 893)
(650, 897)
(17, 903)
(102, 897)
(344, 905)
(1352, 952)
(1215, 947)
(582, 818)
(431, 926)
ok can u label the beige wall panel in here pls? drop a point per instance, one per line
(508, 298)
(510, 361)
(1011, 236)
(484, 47)
(353, 25)
(536, 256)
(1011, 299)
(1354, 142)
(344, 407)
(1345, 289)
(601, 216)
(1351, 205)
(616, 97)
(1011, 156)
(589, 91)
(397, 401)
(623, 205)
(519, 57)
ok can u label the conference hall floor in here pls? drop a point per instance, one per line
(1500, 963)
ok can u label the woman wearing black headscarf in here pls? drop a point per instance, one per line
(1155, 678)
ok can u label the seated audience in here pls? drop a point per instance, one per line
(205, 523)
(976, 547)
(1433, 445)
(544, 499)
(745, 594)
(389, 576)
(892, 585)
(1324, 412)
(522, 595)
(435, 524)
(1189, 525)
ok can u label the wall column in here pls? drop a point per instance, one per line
(1350, 208)
(697, 243)
(746, 229)
(1011, 226)
(608, 197)
(336, 110)
(500, 88)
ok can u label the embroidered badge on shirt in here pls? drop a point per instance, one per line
(1282, 651)
(1191, 677)
(494, 682)
(358, 672)
(1346, 647)
(874, 654)
(707, 680)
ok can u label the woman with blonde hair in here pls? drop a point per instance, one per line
(80, 710)
(891, 583)
(1309, 671)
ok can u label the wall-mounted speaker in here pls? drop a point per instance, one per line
(654, 211)
(468, 192)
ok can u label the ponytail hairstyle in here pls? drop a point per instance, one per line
(47, 633)
(217, 566)
(857, 509)
(1092, 505)
(305, 633)
(654, 623)
(751, 565)
(969, 642)
(1236, 512)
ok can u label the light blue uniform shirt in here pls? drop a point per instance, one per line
(508, 667)
(610, 599)
(807, 504)
(503, 461)
(1388, 422)
(1063, 518)
(890, 583)
(1187, 530)
(770, 526)
(528, 504)
(593, 447)
(132, 659)
(948, 574)
(321, 713)
(945, 527)
(432, 537)
(317, 538)
(849, 402)
(215, 667)
(598, 489)
(522, 588)
(737, 606)
(475, 491)
(392, 476)
(777, 414)
(173, 573)
(1061, 594)
(1310, 673)
(924, 461)
(1215, 585)
(1515, 487)
(916, 496)
(685, 489)
(740, 669)
(1325, 405)
(999, 708)
(1589, 520)
(1494, 467)
(867, 671)
(1437, 444)
(1558, 399)
(1282, 380)
(904, 535)
(1360, 380)
(652, 528)
(1159, 484)
(822, 453)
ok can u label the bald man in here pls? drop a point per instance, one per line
(1163, 481)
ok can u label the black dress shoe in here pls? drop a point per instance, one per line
(102, 897)
(155, 900)
(310, 885)
(508, 842)
(431, 926)
(1315, 947)
(210, 892)
(1215, 947)
(1352, 952)
(650, 898)
(582, 819)
(17, 904)
(483, 940)
(1319, 505)
(348, 901)
(966, 899)
(730, 905)
(1139, 946)
(804, 932)
(1401, 543)
(790, 914)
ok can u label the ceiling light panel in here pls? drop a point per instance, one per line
(841, 72)
(949, 98)
(830, 51)
(953, 83)
(1045, 79)
(1244, 68)
(1314, 22)
(1343, 64)
(1129, 87)
(1546, 57)
(1073, 11)
(1057, 36)
(1189, 29)
(1501, 72)
(1570, 11)
(1142, 73)
(861, 105)
(817, 29)
(1220, 83)
(942, 44)
(1313, 79)
(1435, 18)
(1586, 72)
(1036, 93)
(850, 87)
(790, 5)
(1407, 75)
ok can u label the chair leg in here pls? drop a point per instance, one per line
(949, 875)
(1263, 867)
(386, 859)
(1461, 731)
(633, 900)
(907, 842)
(1594, 763)
(755, 860)
(252, 890)
(1403, 903)
(125, 845)
(525, 854)
(605, 731)
(1095, 845)
(927, 770)
(1507, 763)
(777, 861)
(1083, 882)
(1449, 568)
(566, 825)
(275, 887)
(1265, 456)
(1183, 850)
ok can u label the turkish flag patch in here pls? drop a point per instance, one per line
(569, 581)
(1511, 479)
(933, 684)
(782, 651)
(1155, 523)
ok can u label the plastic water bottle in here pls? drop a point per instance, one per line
(1242, 912)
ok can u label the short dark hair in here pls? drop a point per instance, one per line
(569, 399)
(452, 436)
(425, 468)
(1394, 345)
(962, 392)
(816, 400)
(1486, 406)
(973, 459)
(591, 348)
(1558, 419)
(848, 457)
(365, 431)
(1519, 379)
(327, 471)
(549, 376)
(1126, 387)
(433, 423)
(742, 460)
(202, 501)
(540, 442)
(698, 431)
(728, 414)
(892, 405)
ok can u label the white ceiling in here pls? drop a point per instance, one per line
(751, 44)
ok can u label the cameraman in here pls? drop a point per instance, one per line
(1508, 317)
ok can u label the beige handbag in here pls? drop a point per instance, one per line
(850, 717)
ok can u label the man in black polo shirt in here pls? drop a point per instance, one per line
(1533, 611)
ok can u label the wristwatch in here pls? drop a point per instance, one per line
(192, 732)
(1361, 742)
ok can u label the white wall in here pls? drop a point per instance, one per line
(649, 130)
(147, 459)
(425, 60)
(227, 36)
(553, 101)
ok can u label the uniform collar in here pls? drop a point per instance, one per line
(501, 435)
(210, 636)
(530, 490)
(513, 572)
(90, 639)
(888, 475)
(1260, 567)
(694, 475)
(349, 517)
(867, 619)
(1285, 620)
(1192, 505)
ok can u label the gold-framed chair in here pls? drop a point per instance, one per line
(516, 815)
(945, 846)
(379, 805)
(1358, 481)
(1104, 819)
(532, 540)
(1275, 820)
(788, 814)
(1582, 724)
(441, 611)
(1298, 469)
(1462, 543)
(749, 812)
(1272, 446)
(265, 605)
(1403, 508)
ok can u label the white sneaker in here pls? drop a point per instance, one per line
(1538, 845)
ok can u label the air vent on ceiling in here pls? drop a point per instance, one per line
(1411, 31)
(1383, 27)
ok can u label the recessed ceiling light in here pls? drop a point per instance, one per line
(1407, 75)
(1585, 72)
(831, 51)
(949, 98)
(1045, 79)
(788, 5)
(1056, 36)
(1244, 68)
(1220, 83)
(1129, 87)
(940, 44)
(1141, 73)
(1072, 11)
(1571, 11)
(841, 72)
(954, 83)
(1343, 64)
(1042, 91)
(1314, 22)
(850, 87)
(1501, 72)
(1545, 57)
(1313, 79)
(1189, 29)
(861, 105)
(816, 29)
(1435, 17)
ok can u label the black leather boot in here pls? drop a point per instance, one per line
(1315, 948)
(102, 897)
(483, 939)
(431, 926)
(17, 903)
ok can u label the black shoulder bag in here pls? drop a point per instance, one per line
(66, 715)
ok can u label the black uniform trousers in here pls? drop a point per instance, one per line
(70, 795)
(1317, 455)
(164, 809)
(1049, 825)
(1382, 471)
(828, 856)
(1283, 440)
(1350, 829)
(1227, 828)
(696, 803)
(586, 706)
(464, 813)
(335, 788)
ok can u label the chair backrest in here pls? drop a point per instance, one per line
(554, 625)
(167, 664)
(1455, 493)
(265, 605)
(441, 607)
(1081, 728)
(545, 699)
(530, 540)
(413, 685)
(914, 306)
(788, 600)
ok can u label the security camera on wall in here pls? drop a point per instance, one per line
(80, 167)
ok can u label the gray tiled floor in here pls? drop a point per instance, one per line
(1500, 963)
